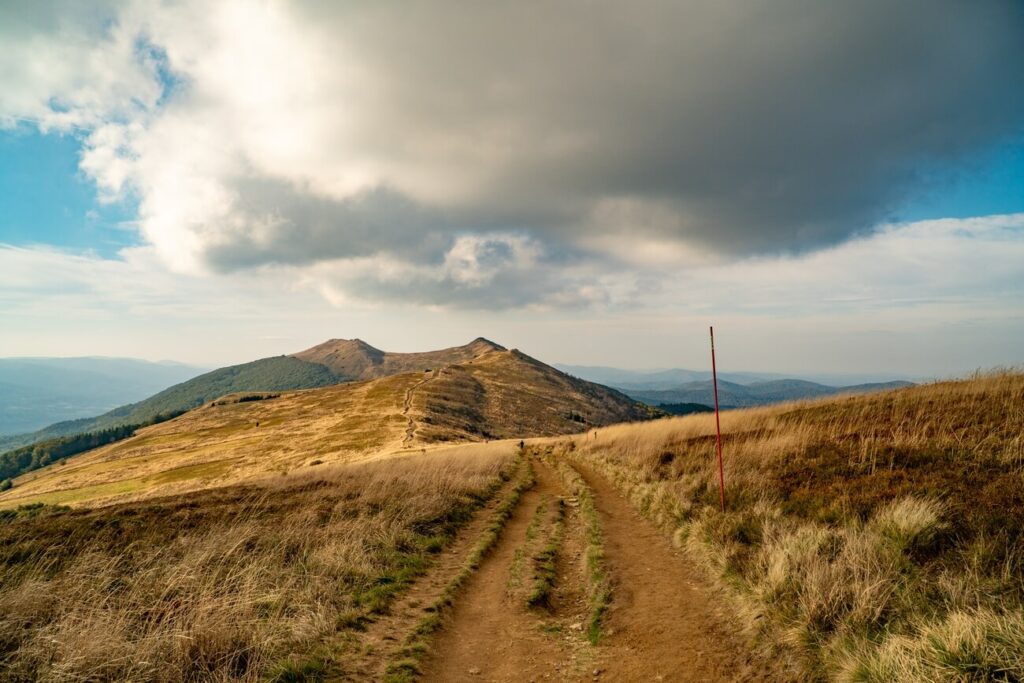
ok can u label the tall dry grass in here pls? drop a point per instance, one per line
(227, 584)
(864, 535)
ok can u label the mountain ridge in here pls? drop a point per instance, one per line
(355, 359)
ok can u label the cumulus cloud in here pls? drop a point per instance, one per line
(559, 150)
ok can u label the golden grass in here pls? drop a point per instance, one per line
(236, 583)
(856, 526)
(499, 395)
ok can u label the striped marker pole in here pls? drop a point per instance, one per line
(718, 425)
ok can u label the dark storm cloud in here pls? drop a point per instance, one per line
(753, 126)
(515, 152)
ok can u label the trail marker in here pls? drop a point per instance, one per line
(718, 425)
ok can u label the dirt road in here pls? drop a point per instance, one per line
(662, 625)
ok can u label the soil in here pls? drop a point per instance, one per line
(664, 624)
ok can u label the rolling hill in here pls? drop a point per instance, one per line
(497, 395)
(333, 362)
(671, 378)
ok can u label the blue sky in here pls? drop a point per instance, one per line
(213, 182)
(989, 181)
(47, 200)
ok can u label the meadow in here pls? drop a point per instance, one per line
(255, 582)
(866, 538)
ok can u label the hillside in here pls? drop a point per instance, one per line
(334, 361)
(501, 394)
(268, 374)
(735, 395)
(35, 392)
(867, 538)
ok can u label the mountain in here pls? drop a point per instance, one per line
(35, 392)
(498, 394)
(659, 380)
(656, 379)
(735, 395)
(354, 359)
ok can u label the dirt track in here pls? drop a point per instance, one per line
(662, 625)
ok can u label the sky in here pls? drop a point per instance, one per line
(837, 187)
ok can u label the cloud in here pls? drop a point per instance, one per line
(610, 140)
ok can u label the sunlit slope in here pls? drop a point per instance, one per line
(501, 394)
(508, 394)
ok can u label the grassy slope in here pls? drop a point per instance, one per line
(510, 395)
(235, 583)
(874, 537)
(502, 394)
(280, 373)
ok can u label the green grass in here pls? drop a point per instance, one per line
(599, 587)
(545, 562)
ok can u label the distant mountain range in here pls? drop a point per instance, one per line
(35, 392)
(735, 395)
(675, 389)
(645, 380)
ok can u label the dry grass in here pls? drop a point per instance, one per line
(499, 395)
(406, 666)
(241, 583)
(863, 529)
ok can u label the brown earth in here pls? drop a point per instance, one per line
(490, 636)
(664, 623)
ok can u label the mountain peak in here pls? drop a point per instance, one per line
(483, 345)
(354, 359)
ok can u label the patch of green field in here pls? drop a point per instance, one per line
(85, 493)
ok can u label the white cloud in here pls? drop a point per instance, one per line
(953, 283)
(610, 142)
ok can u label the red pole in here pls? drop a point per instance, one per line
(718, 425)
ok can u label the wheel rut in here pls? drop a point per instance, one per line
(491, 634)
(663, 624)
(368, 652)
